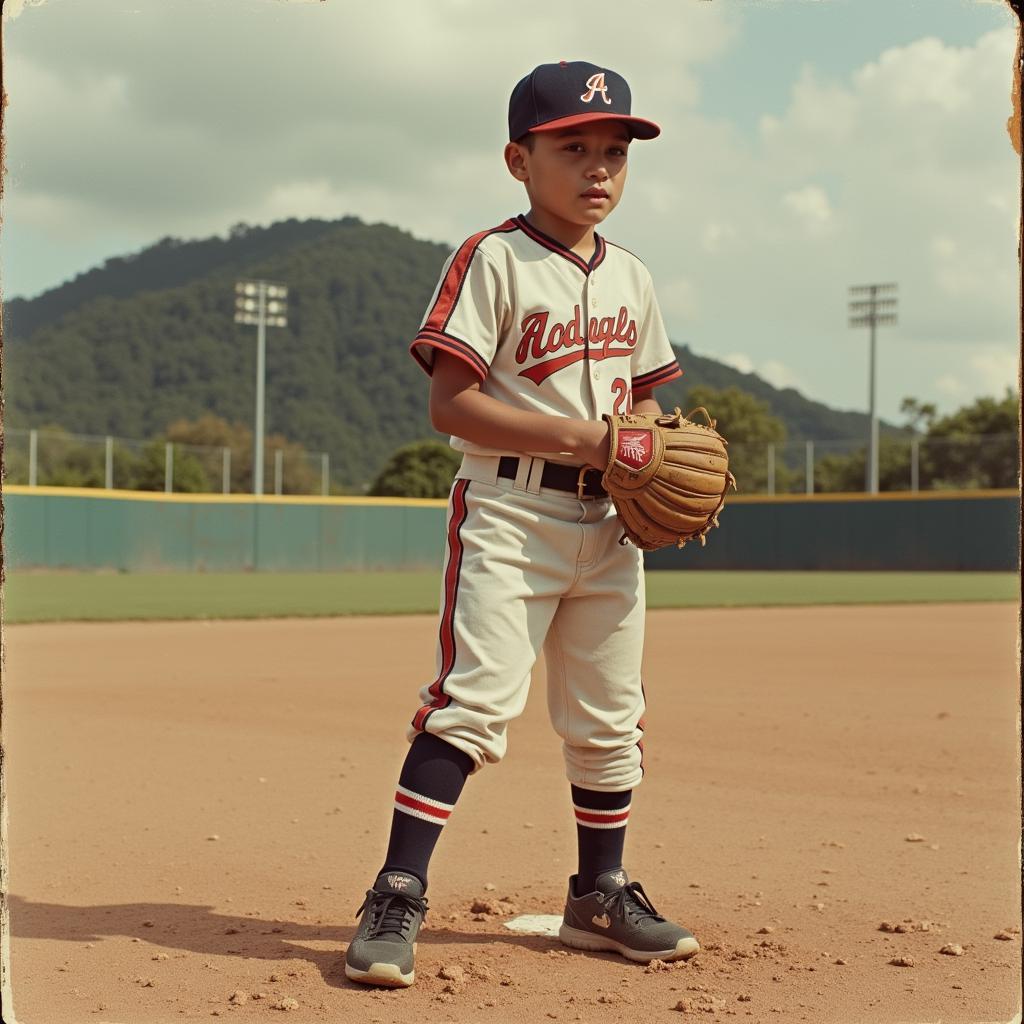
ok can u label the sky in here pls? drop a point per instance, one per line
(807, 146)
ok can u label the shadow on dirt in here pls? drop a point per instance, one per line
(199, 929)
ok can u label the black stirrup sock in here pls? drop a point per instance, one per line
(600, 833)
(432, 779)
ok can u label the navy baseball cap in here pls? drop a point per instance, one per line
(569, 93)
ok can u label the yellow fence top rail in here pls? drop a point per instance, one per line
(220, 499)
(363, 500)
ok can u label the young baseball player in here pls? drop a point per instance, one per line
(537, 328)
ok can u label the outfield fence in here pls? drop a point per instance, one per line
(981, 461)
(71, 528)
(55, 458)
(43, 458)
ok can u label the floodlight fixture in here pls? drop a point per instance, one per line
(263, 303)
(877, 309)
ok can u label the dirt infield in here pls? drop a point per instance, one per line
(197, 808)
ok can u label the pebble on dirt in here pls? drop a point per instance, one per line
(500, 908)
(952, 949)
(902, 961)
(238, 997)
(655, 966)
(452, 972)
(915, 837)
(1003, 936)
(285, 1004)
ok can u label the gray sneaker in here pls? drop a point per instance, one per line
(383, 949)
(618, 917)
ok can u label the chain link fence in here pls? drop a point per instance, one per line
(48, 458)
(976, 462)
(56, 458)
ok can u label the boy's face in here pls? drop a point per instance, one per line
(570, 168)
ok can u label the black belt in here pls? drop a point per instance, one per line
(583, 481)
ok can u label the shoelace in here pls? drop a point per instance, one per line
(391, 912)
(631, 903)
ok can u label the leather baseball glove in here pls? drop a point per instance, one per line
(667, 476)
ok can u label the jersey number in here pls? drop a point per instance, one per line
(623, 397)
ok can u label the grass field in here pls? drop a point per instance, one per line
(49, 597)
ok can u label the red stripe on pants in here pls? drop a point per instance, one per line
(451, 589)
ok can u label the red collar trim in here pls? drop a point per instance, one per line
(600, 248)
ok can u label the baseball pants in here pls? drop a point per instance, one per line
(527, 568)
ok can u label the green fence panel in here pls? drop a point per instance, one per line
(287, 538)
(954, 533)
(223, 537)
(26, 533)
(52, 530)
(67, 531)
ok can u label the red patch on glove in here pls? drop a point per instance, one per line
(635, 448)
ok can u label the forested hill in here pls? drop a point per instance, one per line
(147, 339)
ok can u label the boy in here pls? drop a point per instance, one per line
(537, 328)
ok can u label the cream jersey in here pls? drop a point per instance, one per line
(545, 330)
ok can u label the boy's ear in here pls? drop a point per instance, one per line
(515, 161)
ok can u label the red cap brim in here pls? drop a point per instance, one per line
(639, 127)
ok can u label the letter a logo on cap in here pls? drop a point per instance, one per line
(595, 83)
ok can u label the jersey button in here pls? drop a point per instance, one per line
(593, 302)
(597, 374)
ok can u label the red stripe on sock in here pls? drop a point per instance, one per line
(601, 819)
(418, 805)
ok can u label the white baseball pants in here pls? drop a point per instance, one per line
(528, 568)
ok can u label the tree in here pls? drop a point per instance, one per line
(66, 460)
(423, 469)
(976, 446)
(299, 474)
(749, 427)
(917, 413)
(148, 471)
(847, 473)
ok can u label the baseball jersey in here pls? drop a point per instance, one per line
(546, 330)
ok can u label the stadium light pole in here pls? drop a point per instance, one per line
(879, 307)
(263, 303)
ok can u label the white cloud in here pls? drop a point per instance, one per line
(811, 206)
(934, 79)
(995, 370)
(900, 171)
(12, 8)
(776, 373)
(989, 371)
(717, 236)
(950, 385)
(779, 374)
(678, 299)
(739, 361)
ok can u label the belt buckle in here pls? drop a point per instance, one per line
(581, 482)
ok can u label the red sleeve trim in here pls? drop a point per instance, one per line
(446, 343)
(662, 375)
(451, 287)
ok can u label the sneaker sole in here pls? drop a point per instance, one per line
(578, 939)
(386, 975)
